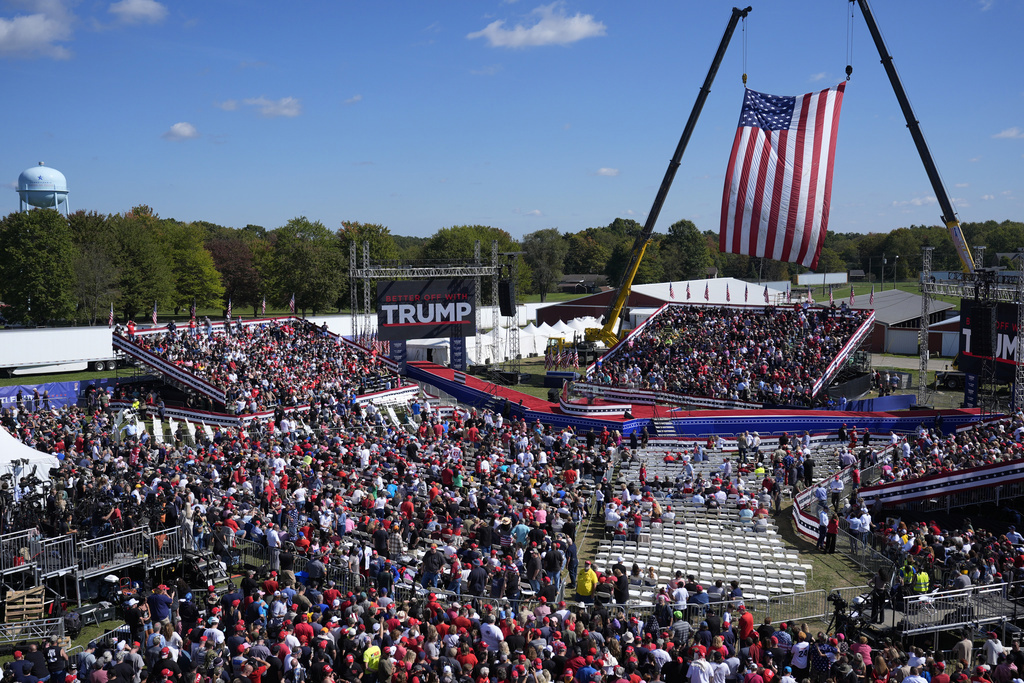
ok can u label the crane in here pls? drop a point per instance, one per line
(607, 333)
(949, 218)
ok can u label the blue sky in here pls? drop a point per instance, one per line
(520, 115)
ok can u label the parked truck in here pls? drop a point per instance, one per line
(59, 349)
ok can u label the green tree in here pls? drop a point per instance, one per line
(192, 266)
(684, 252)
(456, 243)
(650, 269)
(829, 261)
(143, 261)
(96, 279)
(545, 252)
(37, 266)
(308, 264)
(233, 258)
(585, 254)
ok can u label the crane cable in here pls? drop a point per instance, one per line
(743, 29)
(849, 41)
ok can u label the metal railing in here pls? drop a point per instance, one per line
(54, 556)
(11, 558)
(944, 610)
(165, 547)
(110, 553)
(36, 630)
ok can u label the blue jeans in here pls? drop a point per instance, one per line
(430, 579)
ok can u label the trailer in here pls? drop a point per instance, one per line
(61, 349)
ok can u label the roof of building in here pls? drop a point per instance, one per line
(894, 306)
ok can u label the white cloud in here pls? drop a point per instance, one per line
(354, 99)
(138, 11)
(820, 76)
(181, 131)
(916, 201)
(608, 172)
(986, 5)
(37, 34)
(1014, 133)
(227, 105)
(286, 106)
(535, 213)
(987, 197)
(552, 26)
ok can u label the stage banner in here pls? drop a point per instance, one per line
(457, 352)
(424, 309)
(975, 333)
(399, 355)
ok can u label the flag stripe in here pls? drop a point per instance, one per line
(779, 179)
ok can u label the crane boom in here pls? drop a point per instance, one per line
(607, 333)
(949, 218)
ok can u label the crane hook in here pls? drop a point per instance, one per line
(849, 71)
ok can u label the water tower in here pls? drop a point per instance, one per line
(43, 187)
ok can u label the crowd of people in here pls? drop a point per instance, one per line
(770, 355)
(262, 365)
(442, 554)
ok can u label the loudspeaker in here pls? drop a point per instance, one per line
(981, 331)
(506, 297)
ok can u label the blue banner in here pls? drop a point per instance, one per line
(58, 394)
(457, 355)
(970, 391)
(399, 355)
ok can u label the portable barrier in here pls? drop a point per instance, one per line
(944, 610)
(54, 556)
(165, 547)
(36, 630)
(13, 548)
(110, 553)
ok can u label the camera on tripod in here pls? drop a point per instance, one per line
(837, 601)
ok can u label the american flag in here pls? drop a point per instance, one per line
(789, 294)
(831, 296)
(727, 297)
(851, 296)
(575, 358)
(707, 293)
(291, 304)
(779, 180)
(192, 309)
(671, 291)
(687, 291)
(746, 293)
(547, 359)
(766, 293)
(871, 299)
(810, 297)
(229, 308)
(154, 312)
(263, 310)
(110, 320)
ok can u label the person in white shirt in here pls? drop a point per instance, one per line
(700, 669)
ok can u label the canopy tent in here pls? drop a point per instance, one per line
(20, 460)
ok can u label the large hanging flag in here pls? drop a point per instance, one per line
(778, 184)
(154, 312)
(671, 291)
(110, 320)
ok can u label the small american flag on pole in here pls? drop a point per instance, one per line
(229, 308)
(263, 310)
(871, 299)
(671, 291)
(687, 291)
(110, 320)
(778, 183)
(746, 293)
(154, 312)
(766, 293)
(831, 296)
(851, 296)
(291, 304)
(707, 292)
(727, 297)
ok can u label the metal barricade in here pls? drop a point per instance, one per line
(55, 556)
(165, 547)
(951, 609)
(859, 551)
(111, 637)
(12, 559)
(806, 606)
(248, 553)
(36, 630)
(110, 553)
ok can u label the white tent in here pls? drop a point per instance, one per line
(19, 460)
(560, 329)
(529, 329)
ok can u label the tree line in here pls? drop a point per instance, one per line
(58, 270)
